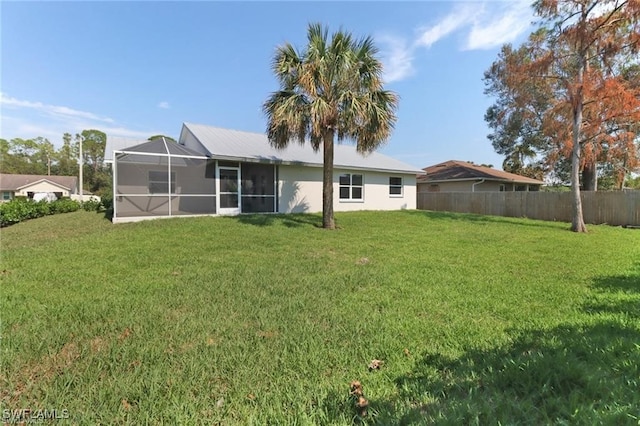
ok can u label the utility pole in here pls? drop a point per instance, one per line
(80, 162)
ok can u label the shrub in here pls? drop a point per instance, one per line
(66, 205)
(91, 205)
(14, 211)
(107, 201)
(20, 209)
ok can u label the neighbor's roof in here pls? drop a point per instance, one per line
(454, 170)
(9, 182)
(254, 147)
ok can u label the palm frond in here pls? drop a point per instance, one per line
(333, 85)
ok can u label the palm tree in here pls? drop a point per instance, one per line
(332, 89)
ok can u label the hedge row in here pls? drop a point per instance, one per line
(21, 209)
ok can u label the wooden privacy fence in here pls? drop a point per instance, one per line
(613, 208)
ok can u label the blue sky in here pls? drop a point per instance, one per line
(142, 68)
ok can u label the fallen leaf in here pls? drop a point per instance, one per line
(375, 364)
(126, 333)
(220, 403)
(356, 388)
(406, 352)
(126, 405)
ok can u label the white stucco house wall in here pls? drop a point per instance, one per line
(214, 171)
(16, 185)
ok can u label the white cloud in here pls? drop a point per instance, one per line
(27, 119)
(484, 25)
(164, 105)
(397, 58)
(53, 110)
(489, 31)
(461, 16)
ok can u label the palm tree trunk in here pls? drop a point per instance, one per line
(327, 181)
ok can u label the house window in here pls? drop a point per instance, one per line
(6, 196)
(521, 187)
(159, 182)
(501, 188)
(351, 187)
(395, 186)
(434, 187)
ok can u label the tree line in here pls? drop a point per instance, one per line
(38, 156)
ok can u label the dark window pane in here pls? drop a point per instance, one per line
(158, 187)
(258, 179)
(345, 179)
(258, 204)
(228, 180)
(356, 193)
(396, 181)
(228, 201)
(395, 190)
(158, 175)
(356, 180)
(344, 192)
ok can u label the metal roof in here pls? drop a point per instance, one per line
(156, 146)
(119, 143)
(254, 147)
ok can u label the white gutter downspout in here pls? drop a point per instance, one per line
(473, 187)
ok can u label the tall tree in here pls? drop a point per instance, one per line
(67, 157)
(93, 145)
(44, 156)
(576, 57)
(96, 176)
(331, 90)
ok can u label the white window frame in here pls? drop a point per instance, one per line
(6, 196)
(401, 186)
(351, 186)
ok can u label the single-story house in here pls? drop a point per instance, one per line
(462, 176)
(214, 171)
(12, 185)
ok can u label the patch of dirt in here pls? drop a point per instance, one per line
(37, 372)
(125, 334)
(98, 344)
(267, 334)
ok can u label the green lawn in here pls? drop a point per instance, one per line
(267, 319)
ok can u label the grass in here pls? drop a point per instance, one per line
(267, 319)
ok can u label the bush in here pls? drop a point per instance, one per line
(65, 205)
(91, 205)
(107, 201)
(20, 209)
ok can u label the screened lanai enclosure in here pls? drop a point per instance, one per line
(164, 179)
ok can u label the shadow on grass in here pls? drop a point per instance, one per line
(470, 217)
(291, 220)
(586, 373)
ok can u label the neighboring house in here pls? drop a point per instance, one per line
(461, 176)
(214, 171)
(12, 186)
